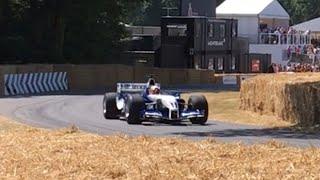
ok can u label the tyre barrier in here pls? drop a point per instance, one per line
(35, 83)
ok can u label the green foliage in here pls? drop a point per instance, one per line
(93, 31)
(149, 12)
(60, 31)
(133, 11)
(170, 3)
(153, 13)
(301, 10)
(82, 31)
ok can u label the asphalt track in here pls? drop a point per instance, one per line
(85, 111)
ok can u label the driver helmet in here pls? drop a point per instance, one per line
(154, 90)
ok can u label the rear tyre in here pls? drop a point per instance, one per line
(110, 110)
(198, 102)
(134, 105)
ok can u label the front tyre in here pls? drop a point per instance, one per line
(134, 105)
(110, 110)
(198, 102)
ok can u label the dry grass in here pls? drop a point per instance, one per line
(7, 125)
(224, 106)
(30, 153)
(292, 97)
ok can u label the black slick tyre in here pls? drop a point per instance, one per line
(110, 110)
(134, 105)
(198, 102)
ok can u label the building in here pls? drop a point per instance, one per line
(143, 46)
(196, 39)
(199, 42)
(312, 25)
(253, 15)
(266, 25)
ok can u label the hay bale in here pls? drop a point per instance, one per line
(162, 76)
(82, 77)
(92, 77)
(21, 69)
(212, 79)
(141, 74)
(8, 69)
(178, 76)
(291, 97)
(218, 79)
(194, 76)
(43, 67)
(104, 76)
(205, 77)
(61, 67)
(108, 75)
(124, 73)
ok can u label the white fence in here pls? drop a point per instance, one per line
(289, 39)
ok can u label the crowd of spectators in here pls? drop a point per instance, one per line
(312, 64)
(300, 47)
(294, 67)
(283, 35)
(303, 67)
(306, 49)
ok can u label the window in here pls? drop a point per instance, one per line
(234, 29)
(220, 64)
(198, 29)
(211, 64)
(178, 30)
(222, 30)
(197, 61)
(233, 63)
(210, 30)
(255, 65)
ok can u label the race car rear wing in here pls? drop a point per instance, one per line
(132, 87)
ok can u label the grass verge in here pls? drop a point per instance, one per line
(224, 106)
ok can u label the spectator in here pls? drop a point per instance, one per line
(271, 68)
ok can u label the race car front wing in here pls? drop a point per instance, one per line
(173, 115)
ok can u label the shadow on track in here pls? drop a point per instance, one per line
(275, 133)
(183, 124)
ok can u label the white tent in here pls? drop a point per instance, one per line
(312, 25)
(251, 13)
(260, 8)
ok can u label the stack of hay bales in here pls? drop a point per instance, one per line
(291, 97)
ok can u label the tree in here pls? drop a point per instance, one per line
(57, 29)
(150, 11)
(301, 10)
(133, 11)
(93, 30)
(153, 13)
(5, 15)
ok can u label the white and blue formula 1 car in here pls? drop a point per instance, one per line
(139, 102)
